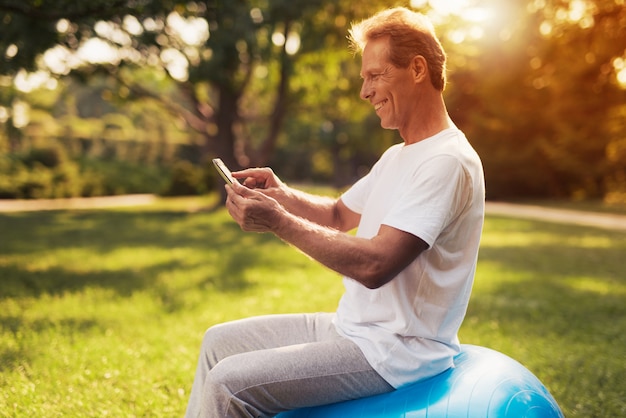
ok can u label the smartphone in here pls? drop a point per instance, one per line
(223, 170)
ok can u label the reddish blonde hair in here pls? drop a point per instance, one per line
(410, 34)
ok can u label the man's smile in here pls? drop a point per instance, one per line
(380, 104)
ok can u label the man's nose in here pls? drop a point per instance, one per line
(366, 90)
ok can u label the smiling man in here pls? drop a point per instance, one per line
(407, 272)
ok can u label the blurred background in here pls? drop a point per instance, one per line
(112, 97)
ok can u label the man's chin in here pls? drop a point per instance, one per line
(386, 125)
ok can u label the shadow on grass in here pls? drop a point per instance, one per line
(576, 282)
(121, 252)
(29, 237)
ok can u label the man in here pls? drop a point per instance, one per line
(408, 271)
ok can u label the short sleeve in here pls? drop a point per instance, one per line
(356, 197)
(437, 193)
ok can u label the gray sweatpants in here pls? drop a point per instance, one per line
(261, 366)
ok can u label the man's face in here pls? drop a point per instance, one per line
(388, 88)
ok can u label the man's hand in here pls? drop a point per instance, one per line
(253, 210)
(258, 178)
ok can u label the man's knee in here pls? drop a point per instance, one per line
(227, 392)
(214, 345)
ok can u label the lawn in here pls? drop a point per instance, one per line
(102, 311)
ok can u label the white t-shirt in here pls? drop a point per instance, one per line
(433, 189)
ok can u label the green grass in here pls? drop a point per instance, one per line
(102, 311)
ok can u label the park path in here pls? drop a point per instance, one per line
(566, 216)
(595, 219)
(76, 203)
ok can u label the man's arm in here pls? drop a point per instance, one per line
(372, 262)
(321, 210)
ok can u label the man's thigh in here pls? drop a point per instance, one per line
(273, 380)
(266, 332)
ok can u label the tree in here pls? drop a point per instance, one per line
(539, 87)
(541, 98)
(220, 54)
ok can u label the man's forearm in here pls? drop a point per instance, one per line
(354, 257)
(320, 210)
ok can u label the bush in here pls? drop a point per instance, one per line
(47, 174)
(186, 179)
(67, 181)
(50, 172)
(51, 157)
(116, 177)
(8, 187)
(36, 183)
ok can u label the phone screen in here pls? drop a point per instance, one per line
(223, 170)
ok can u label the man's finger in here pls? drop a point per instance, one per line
(243, 191)
(238, 189)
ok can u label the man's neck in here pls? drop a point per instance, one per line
(432, 118)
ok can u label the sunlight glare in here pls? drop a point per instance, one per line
(467, 9)
(63, 26)
(619, 64)
(132, 25)
(21, 113)
(256, 15)
(448, 7)
(27, 82)
(474, 13)
(292, 45)
(545, 28)
(152, 25)
(478, 14)
(96, 51)
(278, 39)
(4, 114)
(11, 51)
(176, 64)
(193, 31)
(577, 10)
(60, 60)
(112, 32)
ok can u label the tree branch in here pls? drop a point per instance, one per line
(100, 10)
(195, 121)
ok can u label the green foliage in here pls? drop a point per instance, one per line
(102, 312)
(117, 177)
(40, 173)
(31, 25)
(538, 88)
(237, 83)
(49, 157)
(45, 173)
(186, 179)
(545, 115)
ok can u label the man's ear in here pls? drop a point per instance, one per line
(419, 66)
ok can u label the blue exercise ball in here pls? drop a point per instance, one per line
(482, 384)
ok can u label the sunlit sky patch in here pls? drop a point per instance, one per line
(467, 9)
(474, 13)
